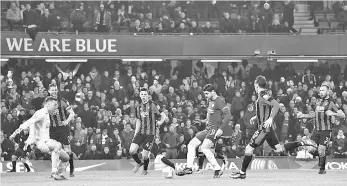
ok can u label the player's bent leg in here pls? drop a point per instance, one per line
(322, 159)
(145, 155)
(57, 154)
(14, 163)
(67, 149)
(25, 162)
(192, 146)
(241, 174)
(206, 147)
(133, 152)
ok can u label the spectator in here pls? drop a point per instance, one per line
(288, 13)
(253, 15)
(182, 152)
(342, 17)
(265, 16)
(92, 154)
(207, 28)
(147, 28)
(137, 27)
(182, 28)
(226, 25)
(127, 135)
(106, 154)
(30, 20)
(237, 104)
(7, 147)
(195, 29)
(287, 29)
(56, 18)
(234, 152)
(276, 27)
(340, 145)
(102, 20)
(240, 26)
(80, 134)
(171, 140)
(88, 118)
(123, 19)
(79, 149)
(13, 16)
(46, 21)
(40, 9)
(78, 18)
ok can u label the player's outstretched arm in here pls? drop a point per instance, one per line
(35, 118)
(162, 118)
(337, 112)
(310, 115)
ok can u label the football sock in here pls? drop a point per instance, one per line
(321, 162)
(201, 161)
(72, 167)
(168, 162)
(27, 167)
(14, 163)
(245, 163)
(62, 167)
(136, 158)
(292, 145)
(191, 156)
(145, 164)
(210, 157)
(55, 161)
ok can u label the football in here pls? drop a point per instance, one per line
(168, 172)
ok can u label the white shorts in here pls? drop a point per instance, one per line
(46, 146)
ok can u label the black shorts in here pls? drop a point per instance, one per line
(146, 141)
(60, 134)
(321, 137)
(20, 153)
(260, 136)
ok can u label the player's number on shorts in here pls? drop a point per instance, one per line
(213, 131)
(255, 135)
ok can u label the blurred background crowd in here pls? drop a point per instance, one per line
(197, 17)
(104, 94)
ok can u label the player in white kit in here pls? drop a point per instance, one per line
(38, 126)
(167, 167)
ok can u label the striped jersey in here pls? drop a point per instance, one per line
(323, 121)
(148, 114)
(60, 114)
(263, 108)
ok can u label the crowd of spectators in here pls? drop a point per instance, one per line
(103, 96)
(196, 17)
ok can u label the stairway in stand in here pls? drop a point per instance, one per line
(301, 19)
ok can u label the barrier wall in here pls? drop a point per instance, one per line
(256, 164)
(158, 45)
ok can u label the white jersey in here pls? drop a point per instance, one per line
(38, 126)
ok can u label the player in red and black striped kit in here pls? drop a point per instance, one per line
(59, 128)
(325, 109)
(147, 114)
(267, 108)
